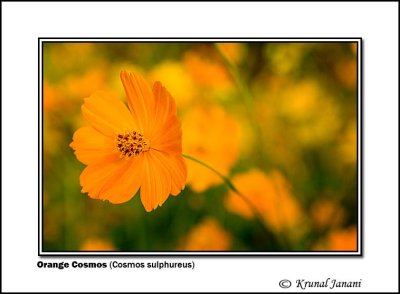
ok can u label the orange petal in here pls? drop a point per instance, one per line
(164, 108)
(150, 187)
(156, 183)
(164, 177)
(125, 183)
(140, 99)
(169, 137)
(94, 176)
(91, 145)
(180, 179)
(107, 114)
(176, 167)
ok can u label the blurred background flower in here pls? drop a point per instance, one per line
(205, 135)
(344, 239)
(207, 235)
(271, 196)
(96, 244)
(278, 118)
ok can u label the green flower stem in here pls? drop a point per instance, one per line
(233, 70)
(232, 187)
(247, 97)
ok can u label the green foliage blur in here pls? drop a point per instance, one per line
(278, 118)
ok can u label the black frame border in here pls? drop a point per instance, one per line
(188, 254)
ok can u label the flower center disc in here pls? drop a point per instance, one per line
(131, 144)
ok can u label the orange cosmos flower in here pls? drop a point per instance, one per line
(127, 149)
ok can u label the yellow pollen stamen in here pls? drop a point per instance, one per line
(131, 143)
